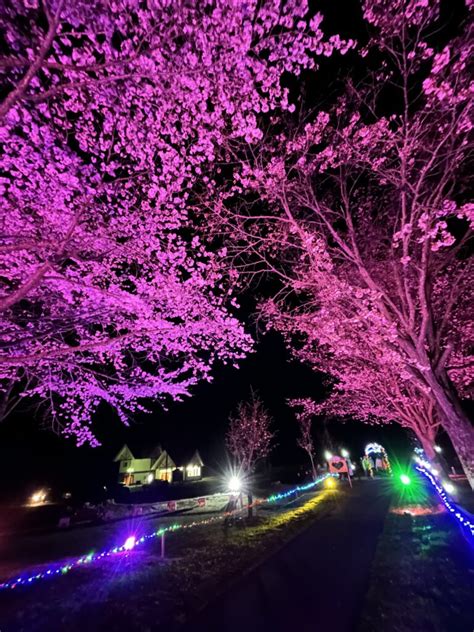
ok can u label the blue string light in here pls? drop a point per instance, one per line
(132, 542)
(451, 506)
(295, 490)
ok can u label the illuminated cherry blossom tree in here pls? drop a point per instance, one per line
(366, 223)
(304, 417)
(249, 438)
(118, 123)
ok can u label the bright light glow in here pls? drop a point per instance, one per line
(434, 471)
(129, 543)
(344, 453)
(38, 497)
(449, 487)
(330, 483)
(129, 470)
(327, 455)
(149, 478)
(235, 484)
(287, 516)
(438, 449)
(417, 510)
(406, 480)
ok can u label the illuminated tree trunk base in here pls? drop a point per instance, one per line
(461, 433)
(428, 448)
(459, 428)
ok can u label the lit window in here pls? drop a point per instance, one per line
(193, 471)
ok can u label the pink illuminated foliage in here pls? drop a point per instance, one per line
(249, 438)
(365, 220)
(119, 119)
(304, 417)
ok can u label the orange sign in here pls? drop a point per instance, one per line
(338, 465)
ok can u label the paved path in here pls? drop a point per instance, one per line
(316, 582)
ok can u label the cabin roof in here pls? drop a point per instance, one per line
(138, 451)
(180, 457)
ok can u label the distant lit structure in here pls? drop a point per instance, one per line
(144, 467)
(39, 497)
(378, 455)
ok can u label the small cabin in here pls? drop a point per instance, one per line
(143, 467)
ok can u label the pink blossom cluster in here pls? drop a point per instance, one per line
(118, 119)
(305, 411)
(249, 437)
(365, 226)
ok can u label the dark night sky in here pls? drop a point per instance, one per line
(32, 454)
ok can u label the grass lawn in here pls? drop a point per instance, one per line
(139, 591)
(423, 574)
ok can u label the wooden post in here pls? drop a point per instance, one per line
(250, 504)
(348, 471)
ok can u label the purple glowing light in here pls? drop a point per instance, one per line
(130, 543)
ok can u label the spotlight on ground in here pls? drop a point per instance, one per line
(330, 483)
(406, 480)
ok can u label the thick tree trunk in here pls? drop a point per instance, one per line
(456, 423)
(428, 448)
(461, 434)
